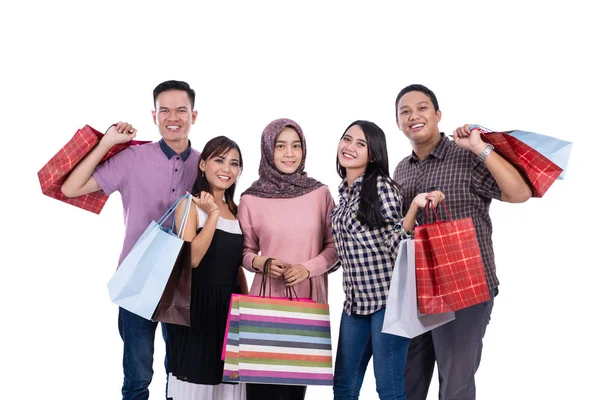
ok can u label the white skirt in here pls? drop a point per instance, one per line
(181, 390)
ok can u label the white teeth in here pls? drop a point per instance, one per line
(172, 127)
(223, 177)
(348, 155)
(418, 126)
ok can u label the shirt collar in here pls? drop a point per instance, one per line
(170, 153)
(439, 151)
(343, 188)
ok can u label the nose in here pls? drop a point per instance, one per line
(172, 115)
(288, 151)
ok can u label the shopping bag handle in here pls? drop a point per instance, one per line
(428, 206)
(262, 290)
(184, 217)
(481, 128)
(290, 292)
(172, 209)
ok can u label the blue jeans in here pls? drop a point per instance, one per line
(138, 351)
(360, 338)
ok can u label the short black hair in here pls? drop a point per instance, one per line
(418, 88)
(175, 85)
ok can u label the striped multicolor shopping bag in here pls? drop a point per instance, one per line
(231, 342)
(281, 342)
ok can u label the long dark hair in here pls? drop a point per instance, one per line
(216, 147)
(369, 208)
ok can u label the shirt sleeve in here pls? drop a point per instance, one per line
(328, 256)
(251, 242)
(112, 174)
(391, 209)
(483, 181)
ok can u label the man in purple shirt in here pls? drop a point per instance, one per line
(150, 178)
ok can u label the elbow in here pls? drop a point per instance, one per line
(67, 191)
(518, 196)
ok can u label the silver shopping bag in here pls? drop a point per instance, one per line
(402, 317)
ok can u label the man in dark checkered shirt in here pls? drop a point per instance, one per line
(470, 174)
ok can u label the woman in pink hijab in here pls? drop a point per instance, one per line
(285, 216)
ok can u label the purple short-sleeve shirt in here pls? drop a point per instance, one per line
(150, 178)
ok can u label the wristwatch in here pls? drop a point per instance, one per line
(488, 149)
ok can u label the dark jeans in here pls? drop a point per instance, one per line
(456, 347)
(138, 351)
(360, 338)
(257, 391)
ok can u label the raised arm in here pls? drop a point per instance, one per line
(81, 181)
(202, 240)
(512, 185)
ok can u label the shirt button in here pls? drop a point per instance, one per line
(172, 190)
(177, 158)
(176, 170)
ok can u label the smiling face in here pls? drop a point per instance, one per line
(174, 115)
(417, 118)
(222, 170)
(353, 152)
(288, 151)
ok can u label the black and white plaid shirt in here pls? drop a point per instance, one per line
(367, 255)
(468, 185)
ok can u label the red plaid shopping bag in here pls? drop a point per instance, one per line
(537, 168)
(55, 172)
(449, 268)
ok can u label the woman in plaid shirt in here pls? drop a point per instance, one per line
(367, 228)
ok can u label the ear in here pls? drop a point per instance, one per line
(194, 116)
(154, 117)
(438, 114)
(202, 165)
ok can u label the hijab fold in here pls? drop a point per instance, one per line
(272, 183)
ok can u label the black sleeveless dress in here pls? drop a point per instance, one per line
(194, 353)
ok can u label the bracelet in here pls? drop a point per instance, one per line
(488, 149)
(214, 209)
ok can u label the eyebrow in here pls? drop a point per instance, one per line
(292, 141)
(420, 102)
(359, 140)
(222, 158)
(166, 108)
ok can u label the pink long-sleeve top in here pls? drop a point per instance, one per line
(297, 231)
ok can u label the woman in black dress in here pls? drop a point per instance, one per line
(194, 353)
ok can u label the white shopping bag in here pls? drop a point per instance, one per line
(402, 317)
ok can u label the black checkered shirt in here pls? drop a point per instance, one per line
(367, 255)
(468, 185)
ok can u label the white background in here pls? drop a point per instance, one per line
(522, 65)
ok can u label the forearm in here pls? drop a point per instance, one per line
(512, 185)
(323, 262)
(75, 184)
(201, 241)
(409, 221)
(258, 263)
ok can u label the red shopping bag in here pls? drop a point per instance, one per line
(539, 171)
(449, 267)
(55, 172)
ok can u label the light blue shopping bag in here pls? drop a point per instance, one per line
(140, 280)
(556, 150)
